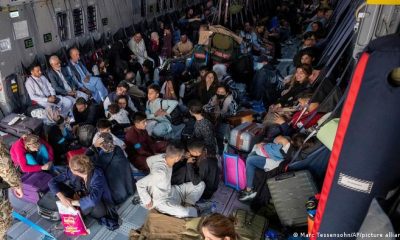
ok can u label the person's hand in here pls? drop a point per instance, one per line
(98, 142)
(64, 200)
(87, 79)
(47, 166)
(191, 160)
(160, 113)
(149, 205)
(18, 192)
(72, 94)
(75, 203)
(279, 119)
(51, 99)
(87, 91)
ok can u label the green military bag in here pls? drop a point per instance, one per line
(249, 226)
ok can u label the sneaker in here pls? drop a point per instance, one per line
(247, 195)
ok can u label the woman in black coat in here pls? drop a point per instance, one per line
(115, 165)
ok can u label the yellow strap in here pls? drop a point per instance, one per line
(384, 2)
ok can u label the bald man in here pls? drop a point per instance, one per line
(62, 83)
(84, 78)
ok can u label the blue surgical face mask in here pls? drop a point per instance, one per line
(258, 66)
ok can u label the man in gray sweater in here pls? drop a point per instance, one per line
(155, 190)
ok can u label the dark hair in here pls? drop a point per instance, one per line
(308, 35)
(113, 108)
(224, 86)
(121, 97)
(155, 87)
(123, 84)
(138, 117)
(196, 145)
(305, 94)
(80, 101)
(103, 124)
(306, 68)
(33, 65)
(307, 51)
(195, 106)
(174, 149)
(298, 141)
(220, 226)
(204, 68)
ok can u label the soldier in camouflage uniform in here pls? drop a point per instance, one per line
(9, 177)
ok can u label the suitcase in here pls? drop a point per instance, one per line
(234, 171)
(35, 185)
(246, 135)
(289, 193)
(241, 117)
(47, 207)
(19, 124)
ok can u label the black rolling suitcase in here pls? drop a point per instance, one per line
(289, 193)
(47, 207)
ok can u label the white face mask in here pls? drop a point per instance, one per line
(258, 66)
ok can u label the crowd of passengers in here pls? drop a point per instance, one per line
(140, 114)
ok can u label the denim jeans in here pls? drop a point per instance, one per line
(253, 162)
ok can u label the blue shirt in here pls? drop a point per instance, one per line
(97, 189)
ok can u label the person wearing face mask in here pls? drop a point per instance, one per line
(32, 154)
(111, 159)
(266, 156)
(220, 108)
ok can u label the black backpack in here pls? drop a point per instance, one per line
(86, 134)
(176, 116)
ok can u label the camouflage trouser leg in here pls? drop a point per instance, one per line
(6, 219)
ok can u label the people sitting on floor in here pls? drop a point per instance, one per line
(158, 112)
(169, 89)
(115, 165)
(140, 145)
(84, 79)
(60, 137)
(298, 83)
(32, 154)
(42, 93)
(85, 112)
(225, 79)
(184, 47)
(63, 84)
(122, 90)
(218, 226)
(149, 75)
(122, 102)
(266, 156)
(306, 116)
(87, 189)
(202, 166)
(120, 116)
(104, 126)
(207, 87)
(204, 130)
(220, 107)
(137, 46)
(155, 190)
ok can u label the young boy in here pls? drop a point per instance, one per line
(158, 111)
(155, 190)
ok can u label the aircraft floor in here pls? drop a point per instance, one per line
(133, 217)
